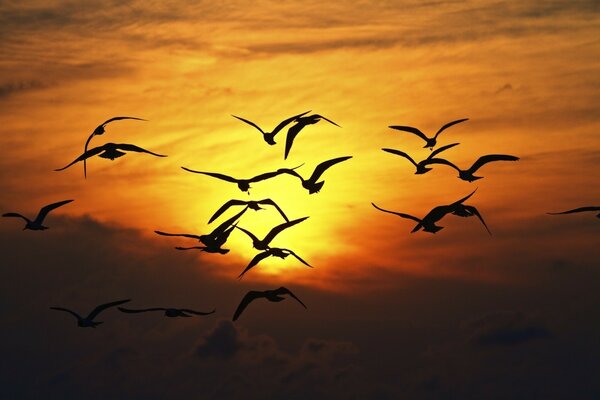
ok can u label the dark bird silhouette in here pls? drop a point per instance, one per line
(86, 322)
(271, 295)
(436, 214)
(467, 174)
(578, 210)
(253, 205)
(100, 131)
(311, 183)
(36, 224)
(421, 165)
(295, 129)
(264, 243)
(269, 137)
(110, 151)
(272, 252)
(168, 312)
(463, 210)
(243, 184)
(429, 142)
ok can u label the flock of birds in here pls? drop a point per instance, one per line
(214, 241)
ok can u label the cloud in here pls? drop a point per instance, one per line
(506, 329)
(10, 88)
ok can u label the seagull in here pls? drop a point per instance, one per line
(421, 165)
(580, 209)
(253, 205)
(211, 247)
(100, 131)
(169, 312)
(301, 122)
(430, 142)
(269, 137)
(36, 224)
(86, 322)
(436, 214)
(110, 151)
(243, 184)
(264, 243)
(467, 174)
(272, 252)
(271, 295)
(311, 183)
(463, 210)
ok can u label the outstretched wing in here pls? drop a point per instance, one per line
(132, 147)
(220, 230)
(463, 199)
(198, 312)
(103, 307)
(264, 176)
(187, 235)
(73, 313)
(11, 214)
(249, 123)
(326, 119)
(275, 231)
(120, 118)
(224, 208)
(250, 234)
(283, 123)
(213, 174)
(46, 209)
(443, 162)
(439, 150)
(291, 135)
(411, 130)
(575, 210)
(407, 216)
(475, 212)
(257, 258)
(321, 168)
(298, 257)
(448, 125)
(272, 203)
(490, 158)
(131, 311)
(282, 290)
(85, 156)
(248, 298)
(201, 248)
(401, 154)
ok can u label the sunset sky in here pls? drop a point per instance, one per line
(391, 314)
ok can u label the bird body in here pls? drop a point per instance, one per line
(271, 295)
(37, 223)
(88, 321)
(429, 142)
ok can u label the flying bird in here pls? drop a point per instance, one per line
(578, 210)
(252, 204)
(421, 165)
(311, 183)
(86, 322)
(168, 312)
(213, 247)
(295, 129)
(36, 224)
(243, 184)
(272, 252)
(467, 174)
(269, 137)
(100, 131)
(271, 295)
(429, 142)
(264, 243)
(110, 151)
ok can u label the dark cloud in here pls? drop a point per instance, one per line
(10, 88)
(506, 329)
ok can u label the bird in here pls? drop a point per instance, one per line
(271, 295)
(252, 204)
(429, 142)
(87, 322)
(577, 210)
(429, 220)
(214, 247)
(467, 174)
(272, 252)
(269, 137)
(311, 183)
(264, 243)
(463, 210)
(421, 165)
(36, 224)
(168, 312)
(110, 151)
(100, 131)
(243, 184)
(295, 129)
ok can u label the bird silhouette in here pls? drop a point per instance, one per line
(100, 131)
(110, 151)
(272, 252)
(467, 174)
(252, 204)
(578, 210)
(264, 243)
(36, 224)
(269, 137)
(295, 129)
(311, 183)
(271, 295)
(429, 220)
(429, 142)
(168, 312)
(243, 184)
(421, 165)
(88, 322)
(463, 210)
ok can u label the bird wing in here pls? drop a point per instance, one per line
(247, 232)
(326, 119)
(187, 235)
(291, 135)
(214, 175)
(439, 150)
(272, 203)
(46, 209)
(575, 210)
(73, 313)
(132, 147)
(401, 154)
(249, 123)
(490, 158)
(442, 161)
(475, 211)
(248, 298)
(448, 125)
(321, 168)
(266, 175)
(407, 216)
(282, 290)
(463, 199)
(298, 257)
(131, 311)
(103, 307)
(283, 123)
(198, 312)
(219, 230)
(411, 130)
(255, 260)
(119, 118)
(201, 248)
(12, 214)
(275, 231)
(85, 156)
(225, 206)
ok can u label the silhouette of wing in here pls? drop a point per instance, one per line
(201, 248)
(249, 123)
(12, 214)
(411, 130)
(321, 168)
(408, 216)
(46, 209)
(85, 156)
(73, 313)
(197, 312)
(448, 125)
(275, 231)
(291, 135)
(490, 158)
(248, 298)
(298, 257)
(131, 311)
(272, 203)
(255, 260)
(132, 147)
(103, 307)
(401, 154)
(225, 206)
(326, 119)
(282, 290)
(463, 199)
(214, 175)
(120, 118)
(442, 161)
(187, 235)
(247, 232)
(475, 212)
(220, 230)
(283, 123)
(575, 210)
(439, 150)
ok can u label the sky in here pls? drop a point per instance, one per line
(390, 314)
